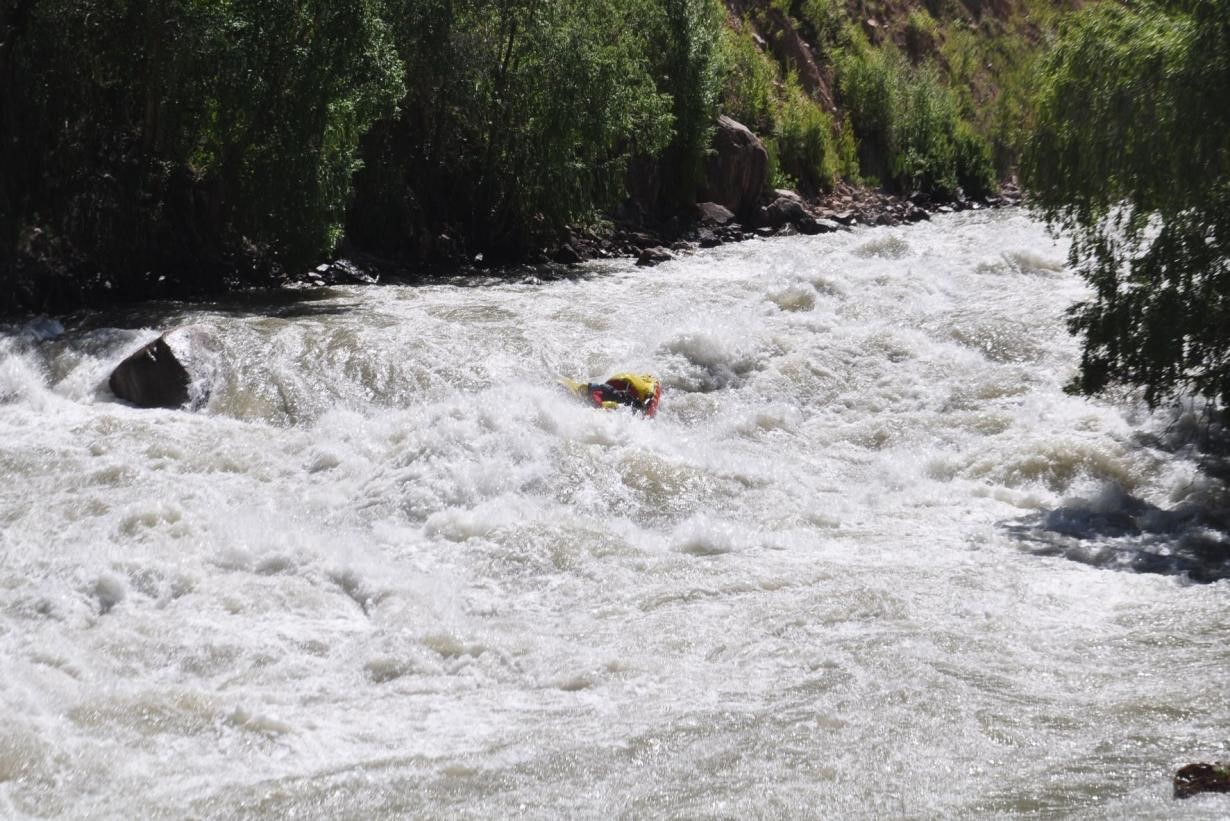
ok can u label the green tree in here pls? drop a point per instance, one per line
(521, 116)
(148, 135)
(1131, 154)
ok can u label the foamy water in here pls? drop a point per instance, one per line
(868, 561)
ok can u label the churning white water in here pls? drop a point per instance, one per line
(868, 561)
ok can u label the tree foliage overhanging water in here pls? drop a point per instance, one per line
(1132, 155)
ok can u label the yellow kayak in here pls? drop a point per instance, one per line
(641, 392)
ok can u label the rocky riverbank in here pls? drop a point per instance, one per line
(783, 214)
(786, 213)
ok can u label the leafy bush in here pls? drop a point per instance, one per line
(749, 93)
(802, 140)
(908, 124)
(921, 33)
(827, 19)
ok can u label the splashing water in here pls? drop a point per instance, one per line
(862, 564)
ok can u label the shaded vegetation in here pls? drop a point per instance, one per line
(164, 147)
(1131, 154)
(190, 137)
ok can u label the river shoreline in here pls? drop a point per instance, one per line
(651, 242)
(648, 240)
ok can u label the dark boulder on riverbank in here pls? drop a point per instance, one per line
(171, 372)
(736, 170)
(712, 215)
(1198, 778)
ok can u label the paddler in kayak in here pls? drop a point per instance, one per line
(641, 392)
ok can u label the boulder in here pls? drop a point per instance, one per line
(175, 370)
(151, 378)
(785, 211)
(344, 272)
(807, 224)
(567, 255)
(1198, 778)
(713, 215)
(736, 170)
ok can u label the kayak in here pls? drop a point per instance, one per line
(641, 392)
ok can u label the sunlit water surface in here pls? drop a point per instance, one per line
(869, 560)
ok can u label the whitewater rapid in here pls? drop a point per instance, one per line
(868, 561)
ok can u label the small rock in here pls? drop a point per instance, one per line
(653, 256)
(916, 214)
(707, 239)
(807, 224)
(826, 226)
(343, 271)
(711, 214)
(1198, 778)
(641, 240)
(567, 255)
(845, 217)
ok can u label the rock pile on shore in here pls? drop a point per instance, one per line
(784, 214)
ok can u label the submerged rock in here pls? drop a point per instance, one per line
(1198, 778)
(175, 370)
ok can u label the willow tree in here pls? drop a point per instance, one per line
(1131, 154)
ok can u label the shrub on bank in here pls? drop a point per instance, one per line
(908, 125)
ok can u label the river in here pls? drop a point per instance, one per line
(868, 561)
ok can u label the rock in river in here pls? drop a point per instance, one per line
(1198, 778)
(174, 370)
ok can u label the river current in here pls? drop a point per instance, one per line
(868, 561)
